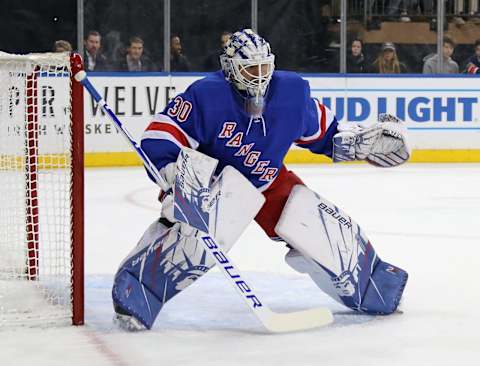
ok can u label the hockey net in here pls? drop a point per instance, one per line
(41, 190)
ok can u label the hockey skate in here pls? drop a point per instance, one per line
(126, 321)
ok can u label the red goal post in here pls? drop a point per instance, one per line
(41, 190)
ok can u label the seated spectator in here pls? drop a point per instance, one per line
(135, 60)
(113, 48)
(212, 62)
(178, 61)
(473, 63)
(62, 46)
(93, 59)
(387, 61)
(431, 65)
(355, 59)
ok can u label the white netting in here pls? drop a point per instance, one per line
(35, 189)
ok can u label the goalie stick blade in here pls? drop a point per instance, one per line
(297, 321)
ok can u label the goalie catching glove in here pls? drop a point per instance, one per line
(384, 144)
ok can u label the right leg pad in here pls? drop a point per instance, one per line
(164, 263)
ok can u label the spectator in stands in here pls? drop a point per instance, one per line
(355, 59)
(113, 48)
(62, 46)
(387, 61)
(426, 6)
(93, 59)
(473, 63)
(135, 60)
(401, 9)
(212, 62)
(178, 61)
(431, 65)
(396, 7)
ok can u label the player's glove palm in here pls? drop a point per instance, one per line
(383, 144)
(391, 148)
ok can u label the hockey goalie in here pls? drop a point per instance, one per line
(233, 128)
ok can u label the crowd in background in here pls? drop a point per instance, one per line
(304, 34)
(387, 61)
(404, 10)
(132, 57)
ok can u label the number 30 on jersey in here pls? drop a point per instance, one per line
(180, 109)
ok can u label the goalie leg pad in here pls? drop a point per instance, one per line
(385, 289)
(133, 299)
(337, 255)
(164, 263)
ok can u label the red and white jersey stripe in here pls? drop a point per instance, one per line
(325, 118)
(164, 128)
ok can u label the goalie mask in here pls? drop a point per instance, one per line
(248, 64)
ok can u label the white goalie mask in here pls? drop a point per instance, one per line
(248, 63)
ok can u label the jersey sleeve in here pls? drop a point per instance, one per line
(319, 126)
(176, 126)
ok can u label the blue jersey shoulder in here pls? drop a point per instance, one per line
(288, 79)
(287, 76)
(214, 82)
(288, 90)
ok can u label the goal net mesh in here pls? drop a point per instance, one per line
(35, 189)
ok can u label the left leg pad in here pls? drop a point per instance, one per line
(384, 290)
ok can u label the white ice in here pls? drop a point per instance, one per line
(424, 218)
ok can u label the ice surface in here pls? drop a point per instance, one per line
(424, 218)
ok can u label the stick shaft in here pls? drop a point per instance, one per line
(152, 169)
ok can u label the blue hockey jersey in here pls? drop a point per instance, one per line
(210, 117)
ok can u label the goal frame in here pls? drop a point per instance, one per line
(33, 241)
(39, 258)
(77, 193)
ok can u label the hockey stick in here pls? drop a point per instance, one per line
(272, 321)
